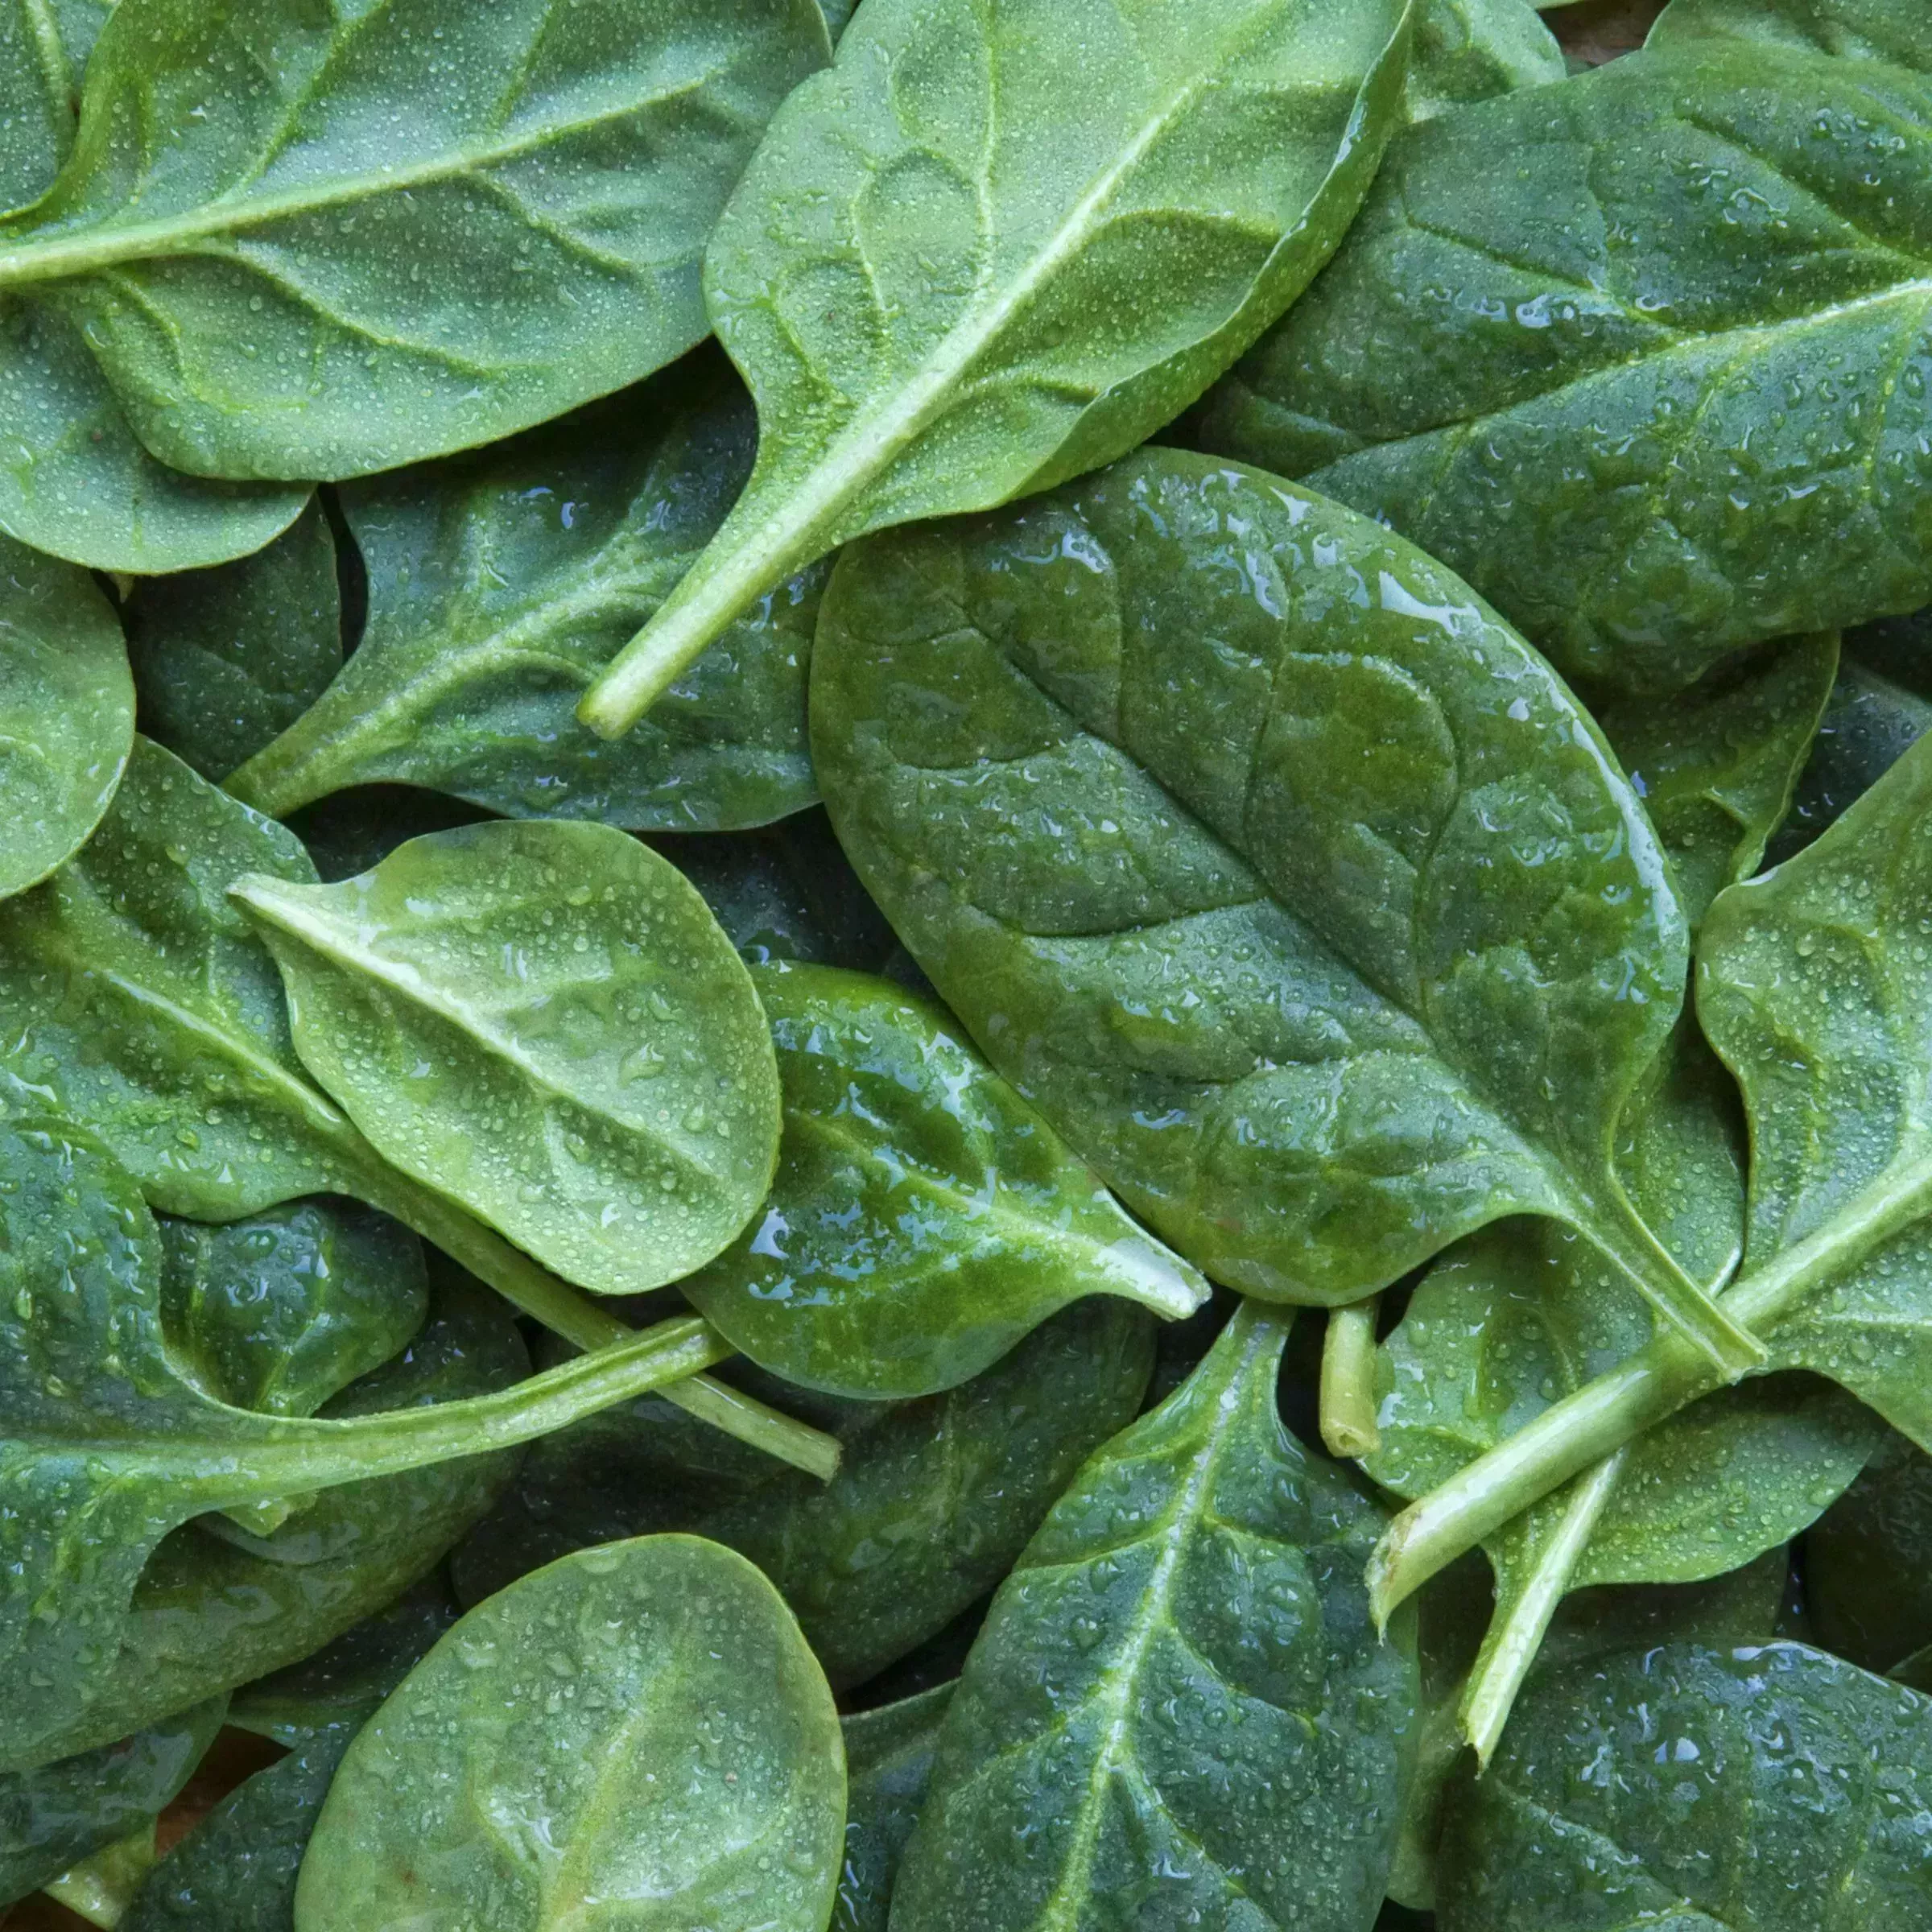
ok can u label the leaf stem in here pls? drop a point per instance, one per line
(1347, 1400)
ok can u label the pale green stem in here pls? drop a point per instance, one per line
(1348, 1406)
(1512, 1644)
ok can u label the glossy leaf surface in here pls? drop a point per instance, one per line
(1774, 1788)
(544, 1020)
(1648, 432)
(226, 658)
(1320, 920)
(888, 1759)
(991, 249)
(501, 584)
(924, 1218)
(1128, 1728)
(267, 300)
(67, 712)
(932, 1501)
(692, 1775)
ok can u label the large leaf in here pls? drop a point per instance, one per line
(888, 1759)
(67, 712)
(303, 242)
(1317, 916)
(1666, 362)
(1898, 30)
(994, 247)
(923, 1218)
(105, 1446)
(544, 1020)
(692, 1775)
(500, 585)
(226, 659)
(1178, 1692)
(932, 1501)
(1774, 1788)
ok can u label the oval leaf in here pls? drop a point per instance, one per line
(992, 248)
(923, 1218)
(648, 1713)
(544, 1021)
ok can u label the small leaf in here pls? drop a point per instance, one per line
(1474, 49)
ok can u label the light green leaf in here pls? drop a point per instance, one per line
(691, 1774)
(992, 248)
(543, 1022)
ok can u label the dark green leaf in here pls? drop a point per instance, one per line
(888, 1758)
(67, 712)
(1771, 1788)
(1473, 50)
(1898, 31)
(55, 1817)
(989, 250)
(269, 298)
(1649, 426)
(355, 831)
(500, 585)
(1868, 1566)
(1179, 1709)
(226, 659)
(932, 1502)
(1320, 920)
(649, 1716)
(542, 1020)
(923, 1218)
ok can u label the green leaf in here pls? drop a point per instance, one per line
(1898, 30)
(67, 712)
(105, 1446)
(63, 1813)
(1773, 1787)
(1178, 1694)
(501, 584)
(689, 1771)
(1868, 1567)
(990, 250)
(923, 1218)
(355, 831)
(226, 659)
(1648, 430)
(37, 86)
(1474, 49)
(888, 1759)
(1717, 766)
(543, 1022)
(267, 300)
(932, 1501)
(1318, 918)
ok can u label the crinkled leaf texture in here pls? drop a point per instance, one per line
(306, 242)
(1776, 1789)
(500, 585)
(992, 247)
(924, 1218)
(1178, 1711)
(542, 1020)
(1648, 430)
(1287, 881)
(650, 1719)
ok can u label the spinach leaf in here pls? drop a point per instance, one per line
(1473, 50)
(1773, 1787)
(544, 1020)
(1177, 1689)
(1868, 1567)
(36, 86)
(649, 1716)
(355, 831)
(888, 1759)
(105, 1446)
(226, 659)
(501, 584)
(1717, 766)
(1318, 917)
(923, 1218)
(988, 250)
(1897, 30)
(1649, 431)
(932, 1501)
(55, 1817)
(267, 300)
(67, 712)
